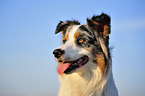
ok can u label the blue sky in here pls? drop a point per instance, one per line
(27, 39)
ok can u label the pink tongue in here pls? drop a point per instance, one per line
(62, 67)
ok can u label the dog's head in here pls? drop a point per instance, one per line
(83, 46)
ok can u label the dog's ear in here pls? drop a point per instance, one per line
(62, 26)
(101, 24)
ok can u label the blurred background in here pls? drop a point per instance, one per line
(27, 40)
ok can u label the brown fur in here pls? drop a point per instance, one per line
(100, 61)
(77, 34)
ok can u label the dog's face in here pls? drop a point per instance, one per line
(83, 46)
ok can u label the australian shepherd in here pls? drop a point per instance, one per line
(85, 67)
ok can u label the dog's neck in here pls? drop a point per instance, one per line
(90, 83)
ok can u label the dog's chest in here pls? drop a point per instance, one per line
(76, 86)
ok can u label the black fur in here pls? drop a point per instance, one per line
(63, 25)
(83, 28)
(102, 19)
(98, 22)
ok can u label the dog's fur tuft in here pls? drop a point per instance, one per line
(85, 66)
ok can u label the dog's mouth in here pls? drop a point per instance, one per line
(70, 66)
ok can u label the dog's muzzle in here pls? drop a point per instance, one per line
(58, 53)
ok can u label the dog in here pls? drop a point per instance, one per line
(85, 65)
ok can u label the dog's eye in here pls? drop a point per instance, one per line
(82, 42)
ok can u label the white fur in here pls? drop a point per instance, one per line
(103, 47)
(86, 80)
(87, 83)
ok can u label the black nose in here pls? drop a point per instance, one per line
(58, 52)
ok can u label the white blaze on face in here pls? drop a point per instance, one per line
(71, 50)
(72, 32)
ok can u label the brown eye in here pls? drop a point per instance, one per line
(81, 40)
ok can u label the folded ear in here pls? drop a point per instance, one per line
(62, 26)
(101, 24)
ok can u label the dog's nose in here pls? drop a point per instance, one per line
(58, 52)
